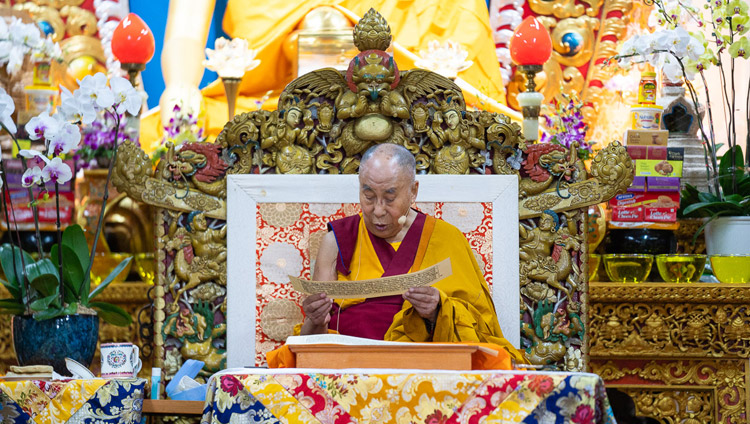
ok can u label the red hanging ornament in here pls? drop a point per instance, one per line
(132, 41)
(530, 43)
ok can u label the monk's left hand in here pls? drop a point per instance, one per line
(425, 301)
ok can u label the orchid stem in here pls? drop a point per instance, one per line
(105, 197)
(59, 244)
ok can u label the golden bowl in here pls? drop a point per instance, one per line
(144, 263)
(628, 268)
(104, 263)
(731, 268)
(594, 262)
(675, 268)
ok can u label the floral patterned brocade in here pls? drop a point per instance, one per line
(429, 398)
(289, 234)
(72, 401)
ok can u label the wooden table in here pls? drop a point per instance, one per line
(164, 407)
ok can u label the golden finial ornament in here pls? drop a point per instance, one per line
(372, 32)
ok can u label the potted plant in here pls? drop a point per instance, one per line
(51, 299)
(684, 56)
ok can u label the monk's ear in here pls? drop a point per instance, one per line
(415, 190)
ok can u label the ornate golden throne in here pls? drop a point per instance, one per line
(325, 120)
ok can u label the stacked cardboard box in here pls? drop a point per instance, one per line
(654, 195)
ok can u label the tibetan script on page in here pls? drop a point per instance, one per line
(379, 287)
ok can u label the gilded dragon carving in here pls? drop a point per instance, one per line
(325, 120)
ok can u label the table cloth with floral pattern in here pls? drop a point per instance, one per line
(430, 397)
(71, 401)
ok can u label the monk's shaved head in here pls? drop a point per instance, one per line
(398, 155)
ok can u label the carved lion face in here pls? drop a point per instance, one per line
(373, 78)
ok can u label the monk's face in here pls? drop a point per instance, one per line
(386, 193)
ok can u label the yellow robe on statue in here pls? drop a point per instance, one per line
(414, 23)
(466, 312)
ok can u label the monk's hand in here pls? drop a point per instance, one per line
(317, 308)
(425, 301)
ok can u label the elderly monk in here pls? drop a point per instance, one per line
(390, 238)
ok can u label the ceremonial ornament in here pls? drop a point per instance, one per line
(325, 121)
(133, 45)
(530, 48)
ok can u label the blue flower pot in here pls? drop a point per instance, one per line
(50, 341)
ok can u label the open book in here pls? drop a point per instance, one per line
(339, 339)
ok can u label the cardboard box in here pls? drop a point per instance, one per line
(627, 214)
(662, 184)
(656, 152)
(651, 207)
(661, 207)
(658, 168)
(638, 185)
(646, 137)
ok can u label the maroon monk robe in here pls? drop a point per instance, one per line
(372, 318)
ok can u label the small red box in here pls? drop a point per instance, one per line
(627, 214)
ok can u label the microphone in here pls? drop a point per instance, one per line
(402, 219)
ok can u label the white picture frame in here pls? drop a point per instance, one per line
(245, 192)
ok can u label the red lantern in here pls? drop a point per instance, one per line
(132, 41)
(530, 43)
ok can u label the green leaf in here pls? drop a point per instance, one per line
(48, 314)
(41, 267)
(74, 238)
(115, 272)
(112, 314)
(707, 197)
(11, 306)
(731, 163)
(13, 290)
(70, 308)
(714, 207)
(44, 303)
(21, 258)
(72, 269)
(46, 284)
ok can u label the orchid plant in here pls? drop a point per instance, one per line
(683, 56)
(565, 125)
(48, 287)
(18, 39)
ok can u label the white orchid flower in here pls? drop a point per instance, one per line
(678, 41)
(57, 171)
(15, 58)
(64, 140)
(7, 107)
(695, 49)
(25, 34)
(672, 69)
(4, 31)
(36, 157)
(32, 176)
(40, 125)
(126, 97)
(74, 109)
(646, 45)
(94, 88)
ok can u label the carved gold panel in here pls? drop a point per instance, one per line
(680, 350)
(681, 391)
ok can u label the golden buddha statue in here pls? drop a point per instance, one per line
(273, 32)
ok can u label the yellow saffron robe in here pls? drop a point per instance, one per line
(466, 312)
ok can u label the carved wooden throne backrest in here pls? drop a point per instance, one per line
(325, 120)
